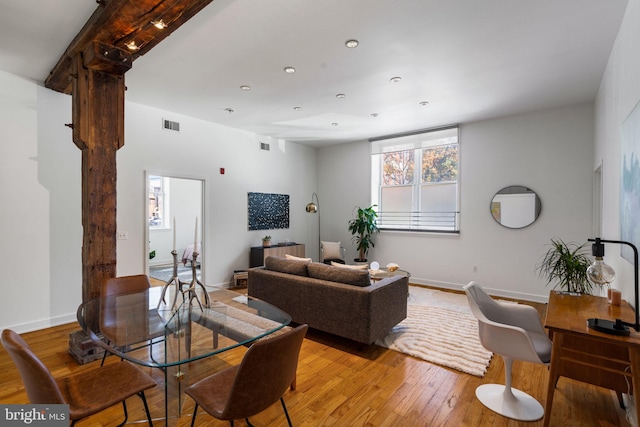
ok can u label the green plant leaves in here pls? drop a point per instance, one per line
(363, 226)
(565, 264)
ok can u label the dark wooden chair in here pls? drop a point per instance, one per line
(87, 393)
(266, 371)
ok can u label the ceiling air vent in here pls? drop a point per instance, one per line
(169, 125)
(264, 146)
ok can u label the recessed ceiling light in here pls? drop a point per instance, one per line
(132, 45)
(289, 70)
(334, 124)
(352, 43)
(159, 24)
(229, 110)
(245, 87)
(374, 114)
(297, 108)
(340, 95)
(424, 103)
(395, 79)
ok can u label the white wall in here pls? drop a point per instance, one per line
(199, 150)
(40, 223)
(618, 95)
(550, 152)
(40, 220)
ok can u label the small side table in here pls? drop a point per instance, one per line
(240, 279)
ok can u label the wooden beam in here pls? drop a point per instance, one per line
(118, 22)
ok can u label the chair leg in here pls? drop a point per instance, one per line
(195, 412)
(146, 407)
(293, 383)
(248, 422)
(507, 401)
(285, 411)
(126, 414)
(104, 356)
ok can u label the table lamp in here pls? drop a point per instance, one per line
(602, 274)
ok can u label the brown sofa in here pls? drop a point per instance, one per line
(332, 299)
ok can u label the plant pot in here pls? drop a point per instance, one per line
(357, 261)
(266, 243)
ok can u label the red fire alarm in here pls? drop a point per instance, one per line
(221, 171)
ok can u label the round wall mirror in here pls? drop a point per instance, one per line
(515, 206)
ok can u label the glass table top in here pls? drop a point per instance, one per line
(191, 331)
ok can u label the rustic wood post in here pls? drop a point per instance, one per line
(98, 130)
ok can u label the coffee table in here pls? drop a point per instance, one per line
(383, 273)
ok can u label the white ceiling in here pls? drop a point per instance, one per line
(469, 59)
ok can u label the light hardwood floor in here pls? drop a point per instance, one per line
(341, 384)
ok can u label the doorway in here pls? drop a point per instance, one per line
(174, 212)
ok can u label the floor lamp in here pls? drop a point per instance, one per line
(315, 208)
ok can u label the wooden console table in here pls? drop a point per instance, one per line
(259, 253)
(586, 355)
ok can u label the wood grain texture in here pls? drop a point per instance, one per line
(341, 384)
(115, 23)
(98, 130)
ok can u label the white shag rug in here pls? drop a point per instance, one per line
(441, 329)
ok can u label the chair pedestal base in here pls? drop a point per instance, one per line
(514, 404)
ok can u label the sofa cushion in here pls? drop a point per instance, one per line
(289, 256)
(340, 275)
(289, 266)
(352, 267)
(331, 250)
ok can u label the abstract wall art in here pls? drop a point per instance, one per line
(268, 211)
(630, 183)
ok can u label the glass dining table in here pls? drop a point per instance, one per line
(143, 329)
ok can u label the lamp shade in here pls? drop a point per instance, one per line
(600, 273)
(311, 207)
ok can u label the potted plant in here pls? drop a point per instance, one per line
(266, 241)
(363, 227)
(565, 264)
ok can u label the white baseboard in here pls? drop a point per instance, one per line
(42, 323)
(494, 292)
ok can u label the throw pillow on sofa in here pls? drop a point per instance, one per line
(352, 267)
(289, 266)
(297, 258)
(340, 275)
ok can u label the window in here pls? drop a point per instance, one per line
(415, 181)
(158, 207)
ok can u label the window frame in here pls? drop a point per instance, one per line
(415, 220)
(166, 202)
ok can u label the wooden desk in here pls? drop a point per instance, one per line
(586, 355)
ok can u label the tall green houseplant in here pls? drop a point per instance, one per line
(565, 265)
(363, 227)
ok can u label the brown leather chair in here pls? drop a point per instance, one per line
(126, 285)
(87, 393)
(263, 376)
